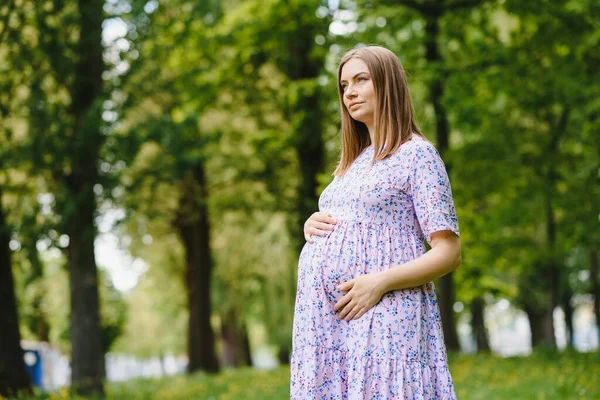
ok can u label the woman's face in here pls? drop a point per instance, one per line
(358, 91)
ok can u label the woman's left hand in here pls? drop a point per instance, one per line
(363, 293)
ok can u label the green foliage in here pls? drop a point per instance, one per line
(236, 86)
(223, 86)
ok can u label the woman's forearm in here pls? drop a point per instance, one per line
(437, 262)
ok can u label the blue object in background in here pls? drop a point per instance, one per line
(33, 363)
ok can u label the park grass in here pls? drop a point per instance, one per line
(541, 376)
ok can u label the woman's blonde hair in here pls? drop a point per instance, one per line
(394, 117)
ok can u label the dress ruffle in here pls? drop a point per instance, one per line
(344, 374)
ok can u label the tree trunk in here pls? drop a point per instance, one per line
(40, 324)
(86, 337)
(593, 255)
(88, 368)
(236, 348)
(309, 149)
(283, 356)
(245, 350)
(478, 325)
(43, 331)
(194, 229)
(13, 375)
(552, 268)
(542, 328)
(567, 294)
(230, 341)
(445, 285)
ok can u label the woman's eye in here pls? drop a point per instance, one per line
(362, 78)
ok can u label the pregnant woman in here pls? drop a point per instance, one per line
(367, 323)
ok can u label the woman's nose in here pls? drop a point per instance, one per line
(350, 93)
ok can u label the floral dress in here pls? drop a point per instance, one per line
(396, 349)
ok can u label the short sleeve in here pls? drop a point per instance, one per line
(431, 192)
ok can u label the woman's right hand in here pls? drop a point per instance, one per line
(319, 224)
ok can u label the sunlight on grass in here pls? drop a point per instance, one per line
(539, 377)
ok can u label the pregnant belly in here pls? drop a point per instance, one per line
(327, 263)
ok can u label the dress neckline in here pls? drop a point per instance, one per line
(412, 136)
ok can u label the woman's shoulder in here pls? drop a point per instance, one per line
(414, 153)
(416, 144)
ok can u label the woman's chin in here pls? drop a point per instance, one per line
(360, 117)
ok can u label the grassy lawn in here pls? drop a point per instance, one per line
(541, 376)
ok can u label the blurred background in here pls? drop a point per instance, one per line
(159, 158)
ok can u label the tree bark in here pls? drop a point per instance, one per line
(194, 229)
(551, 265)
(236, 348)
(88, 368)
(39, 323)
(593, 256)
(13, 375)
(309, 149)
(569, 314)
(86, 338)
(478, 325)
(542, 328)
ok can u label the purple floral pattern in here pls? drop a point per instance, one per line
(396, 350)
